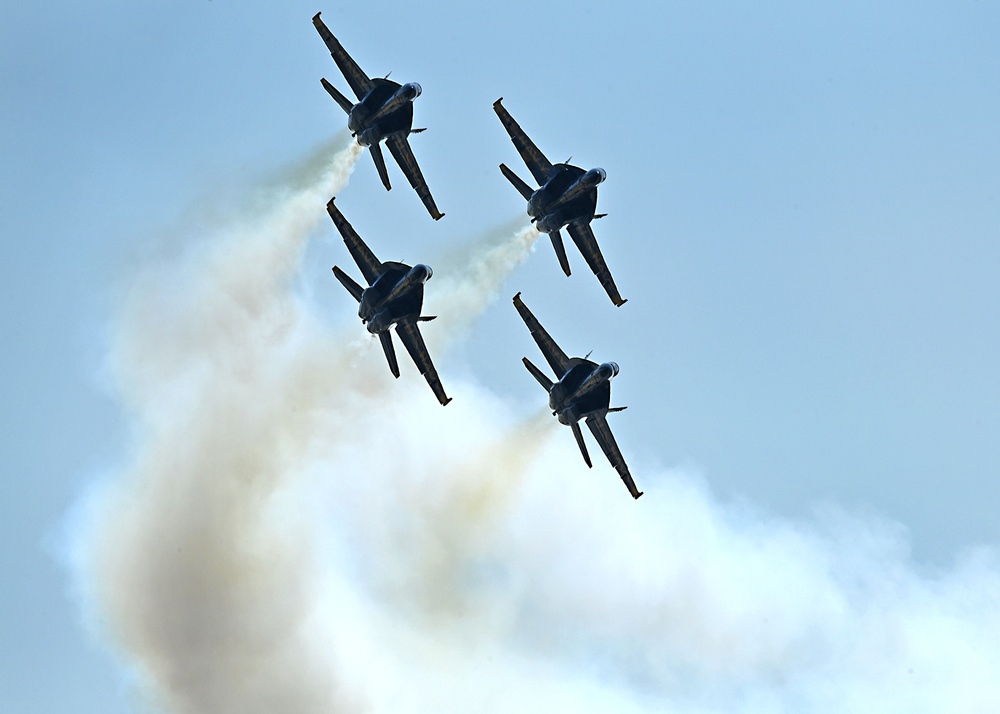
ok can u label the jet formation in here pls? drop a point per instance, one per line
(566, 197)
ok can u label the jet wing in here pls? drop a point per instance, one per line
(370, 266)
(556, 358)
(602, 432)
(358, 80)
(583, 235)
(401, 151)
(413, 341)
(539, 166)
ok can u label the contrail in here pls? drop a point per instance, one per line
(297, 531)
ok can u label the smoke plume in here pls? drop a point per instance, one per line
(296, 531)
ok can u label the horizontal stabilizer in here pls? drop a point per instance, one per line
(390, 352)
(343, 101)
(522, 188)
(428, 318)
(617, 409)
(352, 287)
(600, 215)
(575, 426)
(417, 131)
(538, 374)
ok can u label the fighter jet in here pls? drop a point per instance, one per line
(567, 197)
(583, 391)
(394, 296)
(384, 112)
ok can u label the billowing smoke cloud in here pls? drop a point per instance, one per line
(297, 531)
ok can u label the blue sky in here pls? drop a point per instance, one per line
(803, 213)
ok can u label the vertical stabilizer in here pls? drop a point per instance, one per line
(380, 165)
(557, 244)
(575, 426)
(390, 353)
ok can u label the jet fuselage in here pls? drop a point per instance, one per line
(397, 294)
(585, 389)
(569, 195)
(387, 109)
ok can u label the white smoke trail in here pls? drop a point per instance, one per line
(299, 532)
(474, 281)
(203, 580)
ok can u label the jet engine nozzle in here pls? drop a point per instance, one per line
(568, 416)
(612, 366)
(551, 221)
(379, 322)
(370, 136)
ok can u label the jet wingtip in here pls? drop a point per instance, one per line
(446, 401)
(316, 17)
(638, 494)
(497, 102)
(619, 303)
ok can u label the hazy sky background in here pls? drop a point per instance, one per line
(803, 212)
